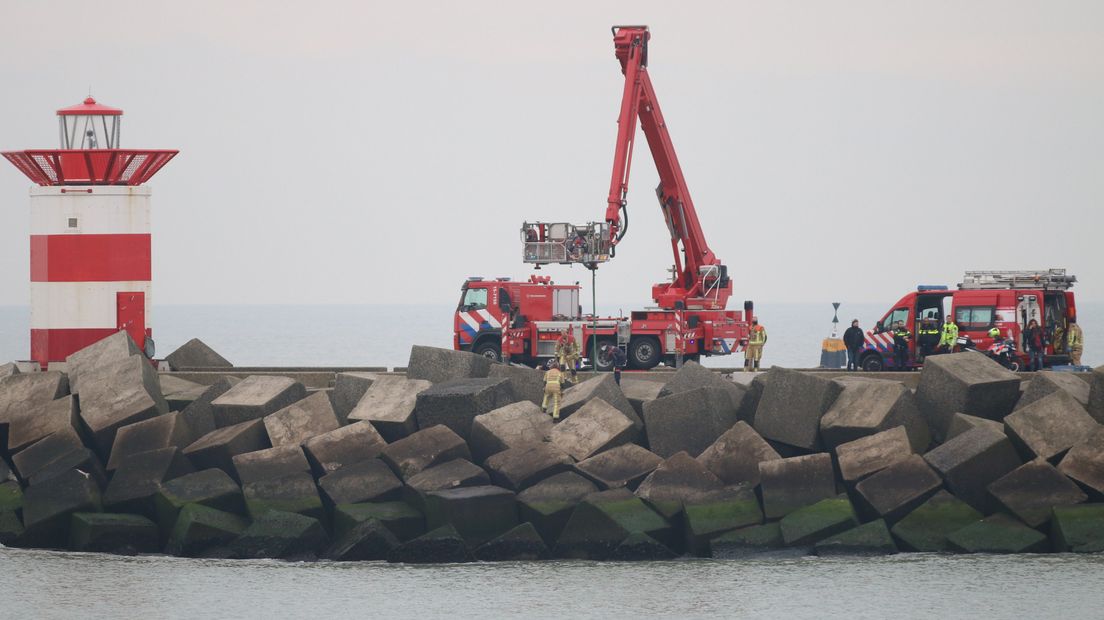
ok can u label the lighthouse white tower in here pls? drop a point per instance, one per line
(90, 234)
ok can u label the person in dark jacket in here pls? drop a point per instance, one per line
(853, 339)
(1035, 343)
(619, 360)
(901, 337)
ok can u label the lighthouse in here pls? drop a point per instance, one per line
(90, 234)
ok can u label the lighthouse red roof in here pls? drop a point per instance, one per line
(89, 108)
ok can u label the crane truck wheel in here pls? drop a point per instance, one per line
(644, 353)
(873, 363)
(489, 350)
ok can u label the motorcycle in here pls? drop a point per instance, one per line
(1002, 352)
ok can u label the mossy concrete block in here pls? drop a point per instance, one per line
(270, 463)
(213, 488)
(748, 542)
(1046, 383)
(693, 375)
(219, 447)
(443, 545)
(1031, 491)
(116, 347)
(513, 426)
(11, 527)
(199, 528)
(424, 449)
(526, 383)
(521, 544)
(623, 466)
(438, 365)
(605, 388)
(964, 383)
(117, 394)
(866, 407)
(970, 462)
(724, 511)
(792, 404)
(196, 354)
(301, 420)
(113, 533)
(163, 431)
(597, 426)
(478, 513)
(689, 421)
(254, 398)
(806, 526)
(867, 539)
(349, 388)
(789, 484)
(1084, 462)
(1050, 426)
(677, 481)
(927, 527)
(549, 504)
(280, 535)
(457, 403)
(640, 547)
(735, 456)
(11, 496)
(402, 519)
(138, 480)
(873, 453)
(998, 533)
(367, 481)
(389, 406)
(26, 426)
(960, 423)
(601, 522)
(522, 467)
(199, 415)
(348, 445)
(365, 541)
(898, 489)
(48, 506)
(1079, 529)
(295, 493)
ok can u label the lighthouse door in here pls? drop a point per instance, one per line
(130, 309)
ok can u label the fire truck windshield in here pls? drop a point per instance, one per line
(474, 299)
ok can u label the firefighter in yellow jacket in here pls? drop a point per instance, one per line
(754, 351)
(553, 379)
(1075, 341)
(567, 353)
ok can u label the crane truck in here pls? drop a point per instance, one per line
(522, 320)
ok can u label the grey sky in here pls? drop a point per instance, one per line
(371, 152)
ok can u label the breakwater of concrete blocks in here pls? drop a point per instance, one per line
(454, 461)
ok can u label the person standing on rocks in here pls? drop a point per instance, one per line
(754, 351)
(619, 360)
(949, 336)
(853, 339)
(553, 379)
(1075, 341)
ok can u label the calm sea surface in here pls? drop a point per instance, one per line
(382, 335)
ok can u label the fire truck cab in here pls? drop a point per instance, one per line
(1007, 300)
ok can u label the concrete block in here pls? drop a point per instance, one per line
(1031, 491)
(117, 394)
(792, 404)
(218, 448)
(735, 456)
(549, 503)
(366, 541)
(48, 506)
(456, 403)
(164, 431)
(718, 512)
(973, 460)
(526, 383)
(301, 420)
(81, 459)
(998, 534)
(424, 449)
(11, 496)
(864, 408)
(688, 421)
(692, 376)
(789, 484)
(960, 423)
(479, 514)
(7, 370)
(23, 393)
(640, 391)
(138, 479)
(595, 427)
(753, 541)
(38, 455)
(522, 467)
(640, 547)
(196, 354)
(624, 466)
(400, 518)
(178, 392)
(30, 425)
(451, 475)
(440, 365)
(255, 397)
(868, 539)
(1046, 383)
(1096, 395)
(199, 415)
(513, 426)
(1079, 529)
(281, 535)
(604, 387)
(271, 463)
(113, 533)
(213, 488)
(927, 527)
(443, 545)
(1084, 463)
(964, 383)
(295, 493)
(873, 453)
(602, 521)
(114, 348)
(347, 445)
(199, 528)
(11, 527)
(1048, 427)
(521, 544)
(898, 489)
(826, 518)
(367, 481)
(676, 481)
(389, 405)
(349, 388)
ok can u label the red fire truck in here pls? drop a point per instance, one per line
(1006, 300)
(523, 320)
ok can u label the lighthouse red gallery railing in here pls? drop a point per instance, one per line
(90, 167)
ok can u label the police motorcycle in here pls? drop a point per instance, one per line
(1002, 351)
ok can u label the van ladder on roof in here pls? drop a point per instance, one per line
(1049, 279)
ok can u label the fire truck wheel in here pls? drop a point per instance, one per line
(873, 363)
(644, 353)
(489, 350)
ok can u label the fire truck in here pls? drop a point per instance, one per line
(522, 321)
(1007, 300)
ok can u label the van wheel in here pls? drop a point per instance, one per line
(873, 363)
(644, 353)
(489, 350)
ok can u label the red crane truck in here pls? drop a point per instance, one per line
(523, 320)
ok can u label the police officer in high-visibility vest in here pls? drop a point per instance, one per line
(754, 351)
(901, 336)
(927, 338)
(553, 379)
(1075, 341)
(949, 337)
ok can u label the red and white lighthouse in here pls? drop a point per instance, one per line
(90, 233)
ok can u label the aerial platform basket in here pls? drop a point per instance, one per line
(565, 244)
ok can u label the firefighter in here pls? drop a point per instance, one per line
(927, 338)
(553, 379)
(1075, 341)
(948, 338)
(567, 353)
(754, 351)
(901, 336)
